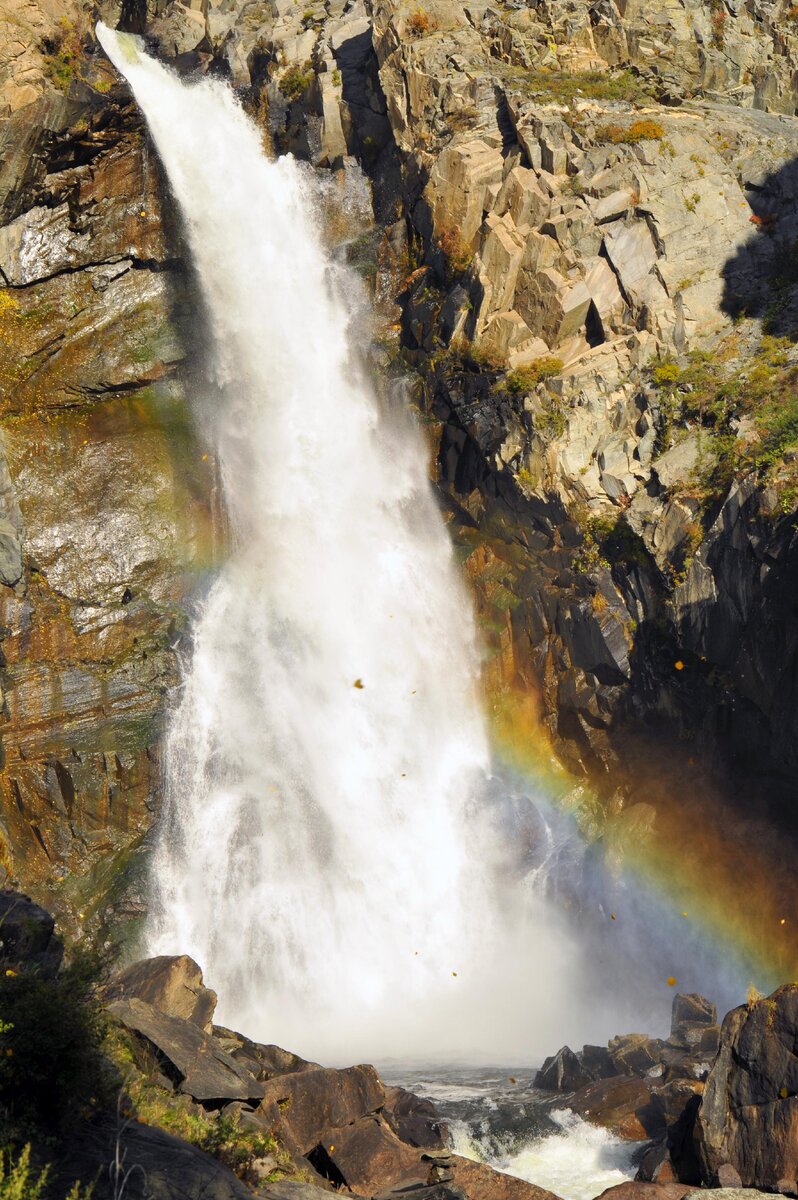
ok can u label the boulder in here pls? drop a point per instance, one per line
(481, 1182)
(655, 1165)
(596, 1061)
(170, 1168)
(635, 1190)
(562, 1072)
(172, 984)
(694, 1025)
(264, 1061)
(748, 1118)
(634, 1053)
(366, 1156)
(306, 1105)
(27, 934)
(621, 1104)
(193, 1061)
(413, 1120)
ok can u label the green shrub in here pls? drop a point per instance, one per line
(51, 1066)
(21, 1181)
(525, 379)
(666, 374)
(296, 81)
(459, 254)
(642, 130)
(566, 86)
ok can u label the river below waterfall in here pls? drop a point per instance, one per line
(497, 1115)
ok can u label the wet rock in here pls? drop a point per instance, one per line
(172, 984)
(481, 1182)
(621, 1104)
(413, 1120)
(655, 1165)
(748, 1118)
(563, 1072)
(694, 1024)
(193, 1060)
(634, 1053)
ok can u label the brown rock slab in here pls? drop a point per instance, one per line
(195, 1061)
(370, 1157)
(172, 984)
(633, 1190)
(620, 1103)
(306, 1105)
(481, 1182)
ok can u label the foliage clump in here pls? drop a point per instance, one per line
(63, 52)
(418, 23)
(52, 1069)
(746, 412)
(464, 354)
(607, 542)
(567, 86)
(644, 129)
(456, 250)
(525, 379)
(296, 81)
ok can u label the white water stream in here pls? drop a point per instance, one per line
(323, 853)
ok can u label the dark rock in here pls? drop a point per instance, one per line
(192, 1059)
(634, 1053)
(692, 1009)
(562, 1072)
(27, 934)
(596, 1061)
(158, 1166)
(173, 985)
(306, 1105)
(367, 1156)
(655, 1165)
(673, 1097)
(694, 1025)
(412, 1119)
(748, 1118)
(622, 1104)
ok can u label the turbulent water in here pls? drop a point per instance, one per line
(498, 1116)
(323, 853)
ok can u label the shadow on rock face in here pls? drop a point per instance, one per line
(758, 279)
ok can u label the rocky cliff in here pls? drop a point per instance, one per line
(584, 255)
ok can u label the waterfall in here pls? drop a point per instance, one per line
(324, 852)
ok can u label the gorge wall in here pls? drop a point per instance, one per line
(583, 253)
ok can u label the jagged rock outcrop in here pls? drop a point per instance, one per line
(578, 193)
(746, 1128)
(639, 1086)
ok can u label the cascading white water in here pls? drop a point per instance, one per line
(322, 853)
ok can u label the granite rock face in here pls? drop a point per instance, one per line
(565, 198)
